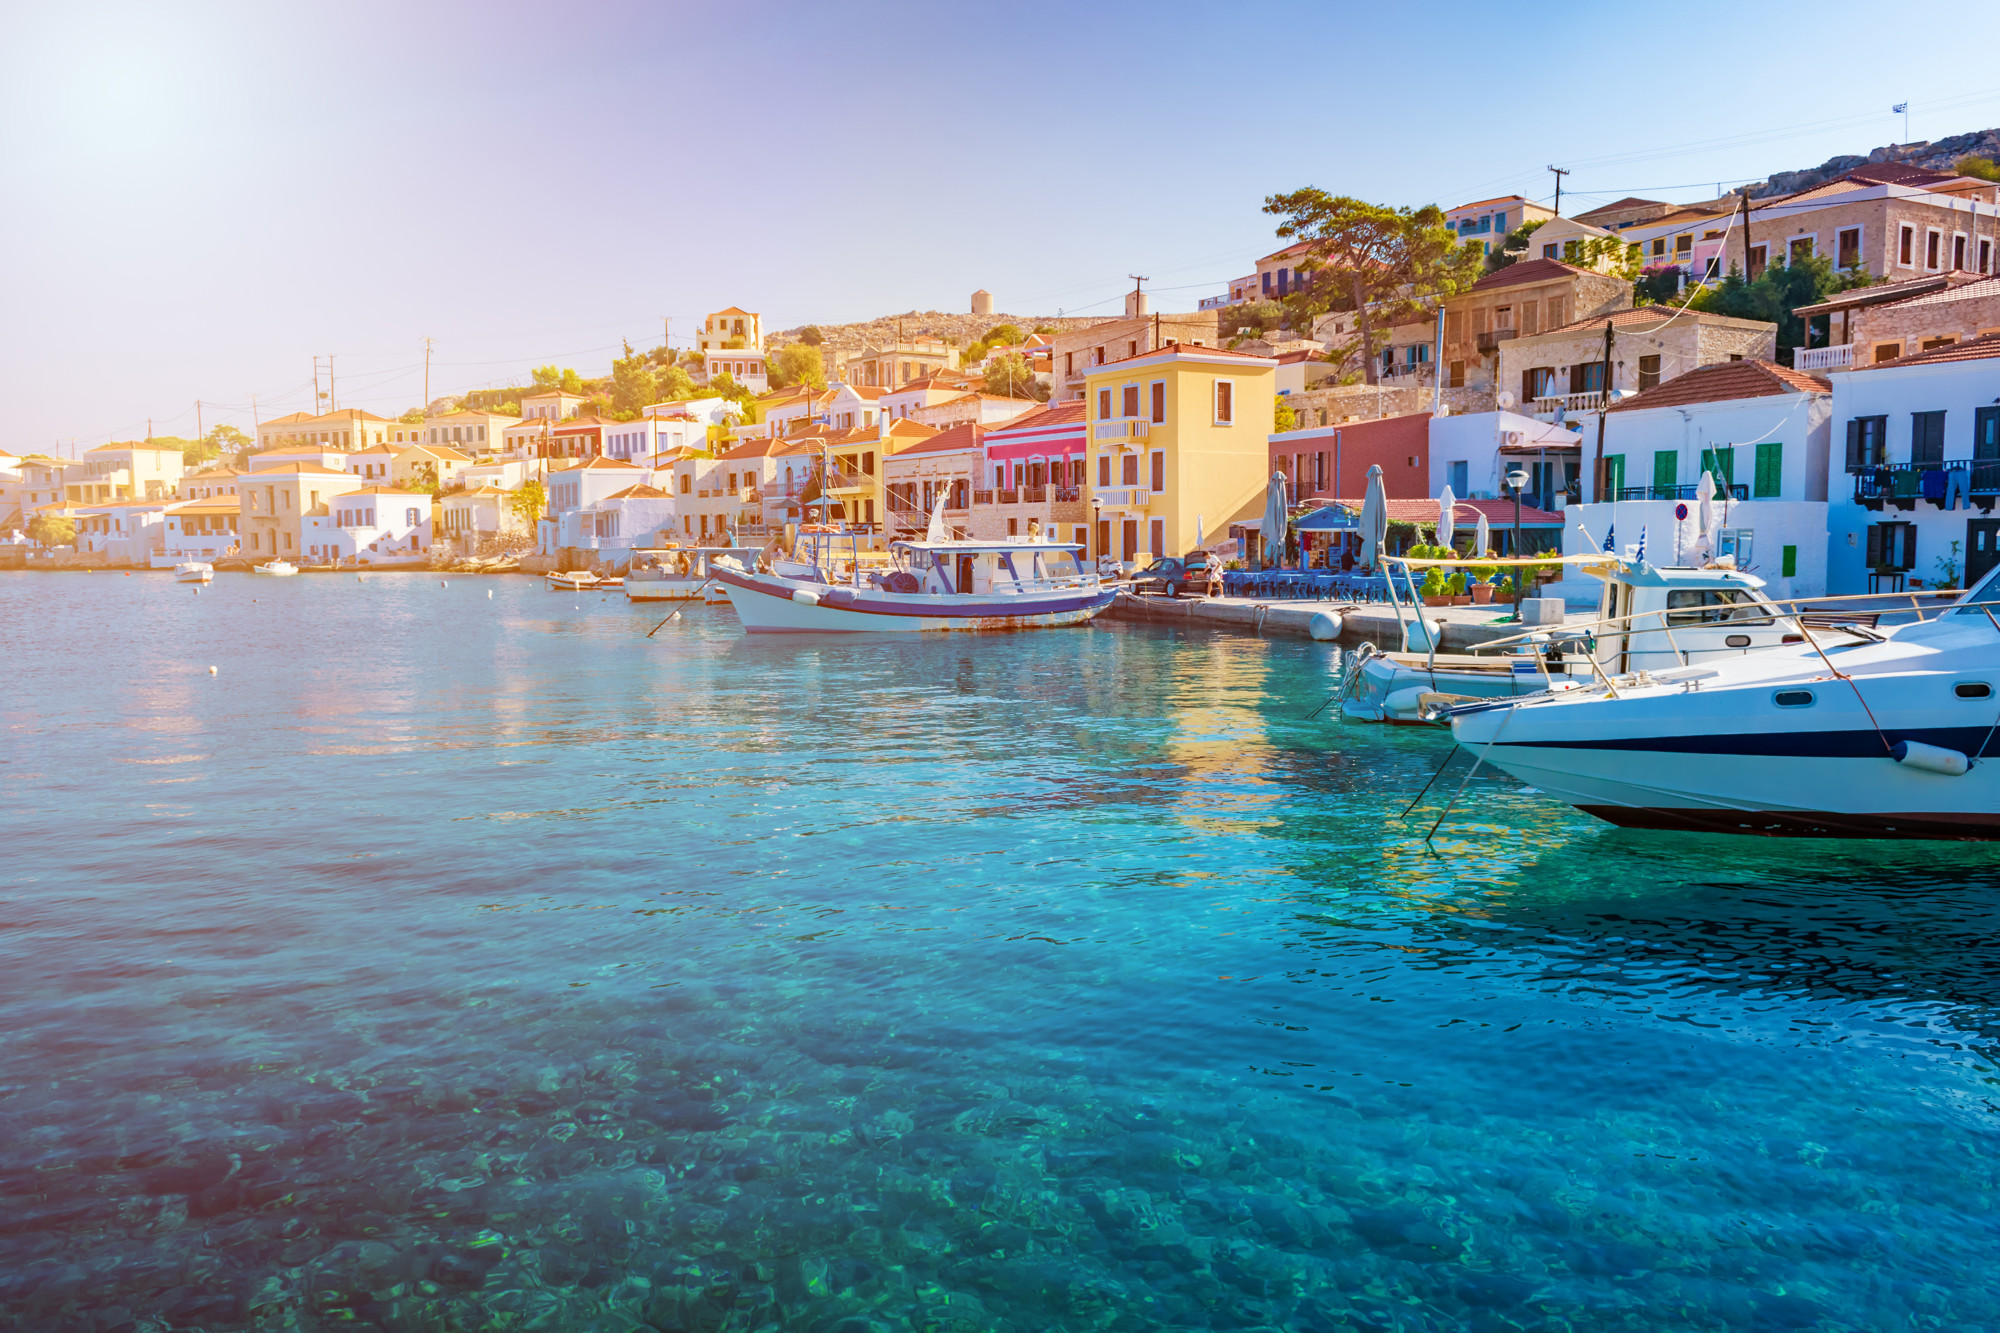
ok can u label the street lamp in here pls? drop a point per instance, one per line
(1517, 481)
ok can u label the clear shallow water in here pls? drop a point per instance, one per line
(447, 962)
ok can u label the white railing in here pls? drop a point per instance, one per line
(1557, 406)
(1122, 430)
(1824, 358)
(1123, 497)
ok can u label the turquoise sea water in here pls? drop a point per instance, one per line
(447, 962)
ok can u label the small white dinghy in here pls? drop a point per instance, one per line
(576, 580)
(194, 571)
(277, 567)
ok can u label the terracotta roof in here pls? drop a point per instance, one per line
(1723, 380)
(291, 419)
(1294, 248)
(1886, 293)
(1630, 201)
(220, 470)
(1897, 173)
(549, 393)
(733, 310)
(583, 424)
(1050, 416)
(1527, 270)
(1638, 317)
(639, 492)
(754, 447)
(314, 468)
(1180, 347)
(965, 435)
(471, 491)
(1979, 289)
(384, 490)
(601, 465)
(1482, 203)
(1973, 349)
(212, 504)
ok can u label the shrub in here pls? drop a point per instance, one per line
(1455, 585)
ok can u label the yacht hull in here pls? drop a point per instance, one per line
(766, 605)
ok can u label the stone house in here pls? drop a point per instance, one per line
(1520, 300)
(1561, 372)
(1871, 324)
(949, 464)
(985, 408)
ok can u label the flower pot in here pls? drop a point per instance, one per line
(1439, 600)
(1482, 593)
(1462, 599)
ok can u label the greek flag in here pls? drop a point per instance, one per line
(1640, 554)
(1899, 108)
(1611, 540)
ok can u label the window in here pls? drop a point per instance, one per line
(1130, 403)
(1759, 256)
(1128, 470)
(1159, 471)
(1770, 471)
(1104, 404)
(1132, 350)
(1985, 256)
(1649, 372)
(1958, 253)
(1788, 566)
(1703, 606)
(1225, 402)
(1799, 248)
(1720, 463)
(1549, 250)
(1932, 243)
(1461, 480)
(1457, 373)
(1159, 413)
(1892, 546)
(1666, 470)
(1927, 437)
(1793, 698)
(1866, 442)
(1104, 469)
(1907, 247)
(1683, 245)
(1159, 536)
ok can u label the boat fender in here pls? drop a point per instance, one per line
(1324, 626)
(1929, 758)
(837, 595)
(1405, 705)
(805, 597)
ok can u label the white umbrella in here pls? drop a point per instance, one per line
(1198, 543)
(1276, 511)
(1482, 540)
(935, 532)
(1374, 517)
(1446, 519)
(1704, 492)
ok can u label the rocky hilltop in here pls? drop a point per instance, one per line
(959, 330)
(1938, 156)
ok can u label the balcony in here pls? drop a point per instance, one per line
(1409, 372)
(1903, 484)
(1555, 407)
(1489, 342)
(1007, 497)
(981, 498)
(1034, 495)
(1121, 430)
(1736, 492)
(1823, 358)
(1123, 497)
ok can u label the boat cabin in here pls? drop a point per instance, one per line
(1676, 617)
(984, 567)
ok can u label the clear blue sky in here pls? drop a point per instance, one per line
(200, 197)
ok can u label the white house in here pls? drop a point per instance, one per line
(202, 529)
(374, 525)
(581, 486)
(1920, 446)
(619, 521)
(127, 530)
(1473, 452)
(1761, 430)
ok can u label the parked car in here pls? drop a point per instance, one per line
(1174, 576)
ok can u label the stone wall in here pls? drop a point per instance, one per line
(1910, 325)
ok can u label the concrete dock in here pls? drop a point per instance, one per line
(1366, 622)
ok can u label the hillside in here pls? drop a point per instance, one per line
(1938, 156)
(959, 330)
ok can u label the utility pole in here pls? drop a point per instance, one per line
(197, 419)
(1560, 173)
(316, 404)
(667, 336)
(1603, 405)
(149, 428)
(427, 374)
(1747, 274)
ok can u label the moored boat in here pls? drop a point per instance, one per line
(194, 571)
(1853, 732)
(930, 585)
(575, 580)
(681, 574)
(281, 568)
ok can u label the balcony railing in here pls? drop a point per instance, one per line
(1124, 497)
(1737, 491)
(1490, 340)
(982, 497)
(1903, 484)
(1419, 371)
(1007, 497)
(1823, 358)
(1554, 407)
(1122, 430)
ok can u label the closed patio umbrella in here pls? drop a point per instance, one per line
(1276, 511)
(1374, 517)
(1482, 540)
(1447, 526)
(1704, 494)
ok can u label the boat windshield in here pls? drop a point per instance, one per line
(1716, 606)
(1982, 599)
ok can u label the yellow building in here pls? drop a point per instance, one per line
(1177, 435)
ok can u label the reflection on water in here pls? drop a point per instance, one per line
(469, 963)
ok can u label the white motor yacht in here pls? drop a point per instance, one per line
(281, 568)
(194, 571)
(681, 574)
(575, 580)
(1648, 618)
(1853, 732)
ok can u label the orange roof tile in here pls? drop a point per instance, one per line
(1724, 380)
(1973, 349)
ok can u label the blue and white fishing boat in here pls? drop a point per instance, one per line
(935, 584)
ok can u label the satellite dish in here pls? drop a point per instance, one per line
(1505, 398)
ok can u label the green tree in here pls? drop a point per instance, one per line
(1980, 167)
(1777, 292)
(724, 385)
(546, 377)
(799, 363)
(1382, 263)
(1513, 247)
(1010, 376)
(571, 382)
(1284, 417)
(52, 529)
(1046, 329)
(413, 417)
(674, 383)
(811, 336)
(1003, 335)
(529, 499)
(633, 384)
(425, 479)
(1251, 319)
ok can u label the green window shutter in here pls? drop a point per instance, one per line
(1725, 465)
(1790, 567)
(1770, 470)
(1666, 467)
(1618, 471)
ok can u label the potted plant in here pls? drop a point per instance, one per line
(1485, 577)
(1432, 589)
(1455, 586)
